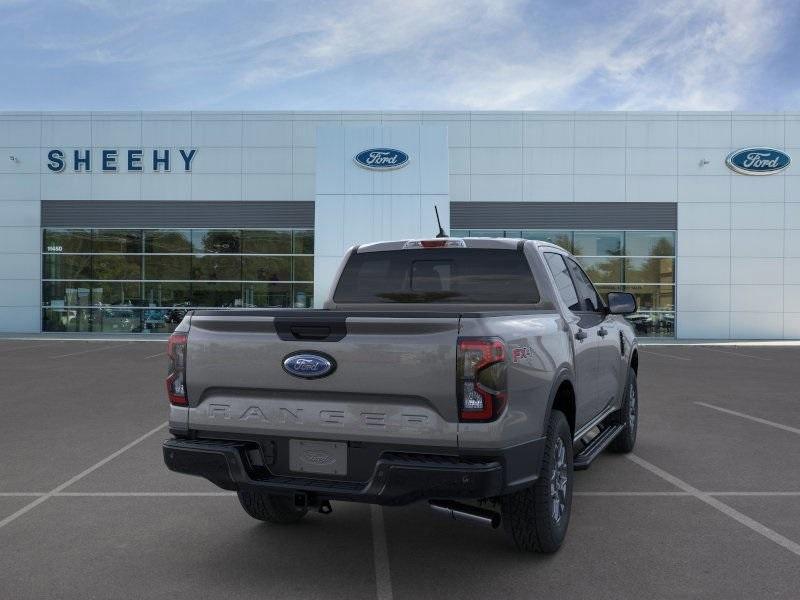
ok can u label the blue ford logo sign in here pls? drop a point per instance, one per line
(309, 365)
(381, 159)
(758, 161)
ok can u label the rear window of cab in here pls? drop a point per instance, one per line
(440, 275)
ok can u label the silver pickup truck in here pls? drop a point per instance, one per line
(474, 373)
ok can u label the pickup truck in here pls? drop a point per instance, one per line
(476, 374)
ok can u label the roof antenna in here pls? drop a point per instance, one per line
(441, 233)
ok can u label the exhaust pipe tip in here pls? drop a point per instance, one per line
(458, 511)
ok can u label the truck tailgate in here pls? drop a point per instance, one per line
(394, 379)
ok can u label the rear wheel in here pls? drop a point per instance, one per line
(628, 416)
(271, 508)
(536, 518)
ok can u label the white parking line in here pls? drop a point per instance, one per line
(225, 494)
(664, 354)
(154, 355)
(79, 476)
(22, 348)
(767, 494)
(89, 350)
(794, 430)
(680, 494)
(742, 354)
(383, 578)
(734, 514)
(141, 494)
(629, 494)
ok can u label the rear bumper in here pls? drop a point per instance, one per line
(398, 477)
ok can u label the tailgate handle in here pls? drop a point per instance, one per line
(310, 332)
(310, 329)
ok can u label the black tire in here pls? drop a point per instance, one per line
(629, 416)
(529, 516)
(271, 508)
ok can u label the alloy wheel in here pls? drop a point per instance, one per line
(632, 407)
(559, 478)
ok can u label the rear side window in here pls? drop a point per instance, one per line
(574, 287)
(564, 284)
(441, 275)
(587, 295)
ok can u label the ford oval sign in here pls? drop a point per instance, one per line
(381, 159)
(309, 365)
(758, 161)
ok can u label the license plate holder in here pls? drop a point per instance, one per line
(319, 457)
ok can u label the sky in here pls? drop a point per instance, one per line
(400, 55)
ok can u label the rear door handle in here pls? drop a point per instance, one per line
(581, 335)
(602, 332)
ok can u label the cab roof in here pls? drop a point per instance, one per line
(470, 242)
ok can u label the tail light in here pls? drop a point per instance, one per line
(176, 375)
(481, 378)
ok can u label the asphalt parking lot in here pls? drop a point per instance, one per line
(708, 506)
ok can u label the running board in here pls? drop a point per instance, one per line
(585, 457)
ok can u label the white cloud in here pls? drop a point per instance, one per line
(324, 40)
(460, 54)
(685, 55)
(495, 55)
(706, 65)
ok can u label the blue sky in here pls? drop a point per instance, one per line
(400, 54)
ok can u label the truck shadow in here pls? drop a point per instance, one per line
(334, 556)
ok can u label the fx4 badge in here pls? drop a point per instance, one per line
(521, 354)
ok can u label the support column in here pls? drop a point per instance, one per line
(355, 205)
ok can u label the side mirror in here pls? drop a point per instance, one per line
(621, 303)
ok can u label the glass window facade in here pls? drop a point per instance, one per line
(144, 280)
(639, 262)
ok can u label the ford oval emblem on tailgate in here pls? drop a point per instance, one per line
(309, 365)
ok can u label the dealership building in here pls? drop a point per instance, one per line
(119, 222)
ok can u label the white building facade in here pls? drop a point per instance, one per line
(120, 222)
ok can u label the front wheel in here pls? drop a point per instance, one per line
(628, 416)
(536, 518)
